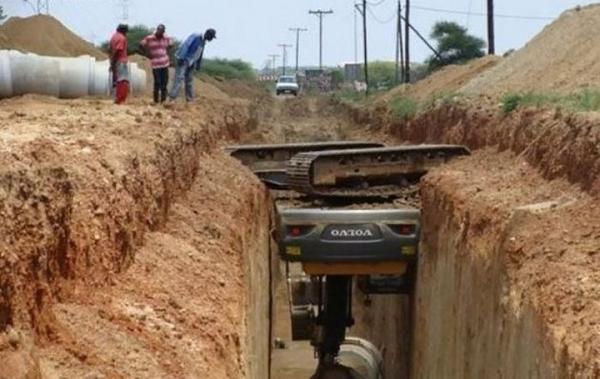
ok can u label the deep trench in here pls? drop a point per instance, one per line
(470, 316)
(459, 322)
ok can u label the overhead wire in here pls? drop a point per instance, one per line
(380, 21)
(377, 3)
(469, 14)
(451, 11)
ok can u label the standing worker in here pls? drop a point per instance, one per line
(189, 58)
(156, 46)
(118, 63)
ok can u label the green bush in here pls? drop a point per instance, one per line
(510, 102)
(403, 107)
(228, 69)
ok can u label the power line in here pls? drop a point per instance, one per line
(124, 4)
(376, 4)
(320, 13)
(40, 6)
(451, 11)
(377, 19)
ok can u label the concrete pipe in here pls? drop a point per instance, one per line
(74, 76)
(5, 75)
(101, 81)
(31, 73)
(137, 79)
(69, 78)
(362, 357)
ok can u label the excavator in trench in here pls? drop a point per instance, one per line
(348, 212)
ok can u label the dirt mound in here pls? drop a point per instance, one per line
(44, 35)
(446, 80)
(563, 57)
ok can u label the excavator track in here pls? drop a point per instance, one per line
(368, 172)
(269, 161)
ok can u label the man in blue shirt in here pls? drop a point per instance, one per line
(189, 58)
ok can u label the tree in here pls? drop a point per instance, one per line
(2, 15)
(454, 44)
(382, 74)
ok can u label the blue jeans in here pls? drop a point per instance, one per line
(183, 73)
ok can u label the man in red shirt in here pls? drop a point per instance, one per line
(157, 47)
(118, 63)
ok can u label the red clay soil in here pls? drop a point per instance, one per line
(558, 144)
(82, 184)
(512, 261)
(549, 262)
(180, 310)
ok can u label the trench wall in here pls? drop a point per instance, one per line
(465, 325)
(72, 220)
(483, 307)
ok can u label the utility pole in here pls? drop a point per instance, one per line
(399, 46)
(284, 47)
(298, 30)
(124, 4)
(356, 32)
(362, 9)
(490, 26)
(364, 14)
(407, 45)
(274, 58)
(320, 13)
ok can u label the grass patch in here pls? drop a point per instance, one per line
(442, 98)
(583, 101)
(228, 69)
(350, 96)
(403, 107)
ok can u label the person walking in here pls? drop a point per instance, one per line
(156, 47)
(189, 58)
(118, 63)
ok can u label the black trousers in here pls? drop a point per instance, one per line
(161, 79)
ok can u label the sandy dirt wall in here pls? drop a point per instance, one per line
(559, 144)
(81, 185)
(195, 303)
(523, 302)
(507, 283)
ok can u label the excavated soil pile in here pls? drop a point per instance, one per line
(44, 35)
(447, 80)
(563, 57)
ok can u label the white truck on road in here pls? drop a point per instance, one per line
(287, 84)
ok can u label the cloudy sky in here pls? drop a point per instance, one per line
(252, 29)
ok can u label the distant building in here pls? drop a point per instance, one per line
(353, 72)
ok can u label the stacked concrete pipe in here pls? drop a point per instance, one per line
(66, 78)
